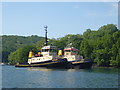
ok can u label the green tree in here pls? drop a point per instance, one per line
(85, 49)
(11, 43)
(20, 55)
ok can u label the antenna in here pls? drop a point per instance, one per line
(46, 35)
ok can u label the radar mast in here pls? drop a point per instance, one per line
(46, 41)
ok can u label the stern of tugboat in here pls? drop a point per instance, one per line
(61, 63)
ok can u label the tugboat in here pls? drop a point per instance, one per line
(76, 61)
(46, 58)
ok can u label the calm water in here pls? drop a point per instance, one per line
(13, 77)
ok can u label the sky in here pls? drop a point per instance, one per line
(62, 18)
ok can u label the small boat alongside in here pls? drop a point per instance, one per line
(75, 60)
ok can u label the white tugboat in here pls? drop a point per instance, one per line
(46, 58)
(76, 60)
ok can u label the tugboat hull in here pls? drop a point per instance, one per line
(81, 65)
(59, 63)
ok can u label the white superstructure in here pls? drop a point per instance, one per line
(71, 54)
(47, 53)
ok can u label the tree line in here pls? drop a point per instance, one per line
(102, 46)
(11, 43)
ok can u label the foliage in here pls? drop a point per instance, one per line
(21, 54)
(11, 43)
(102, 45)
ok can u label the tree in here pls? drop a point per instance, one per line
(20, 55)
(11, 43)
(109, 28)
(115, 58)
(85, 49)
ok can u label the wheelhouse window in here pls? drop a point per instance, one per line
(49, 50)
(45, 50)
(67, 50)
(70, 52)
(53, 50)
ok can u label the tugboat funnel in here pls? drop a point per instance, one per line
(31, 54)
(60, 53)
(39, 52)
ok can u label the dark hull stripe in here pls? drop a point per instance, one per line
(45, 64)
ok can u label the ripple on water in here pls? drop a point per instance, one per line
(59, 78)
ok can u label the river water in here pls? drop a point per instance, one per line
(13, 77)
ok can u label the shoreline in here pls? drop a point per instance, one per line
(93, 66)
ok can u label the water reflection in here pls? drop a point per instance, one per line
(105, 70)
(39, 69)
(93, 70)
(37, 77)
(44, 69)
(54, 69)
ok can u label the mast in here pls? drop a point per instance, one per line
(46, 41)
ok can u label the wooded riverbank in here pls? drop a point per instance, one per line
(102, 46)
